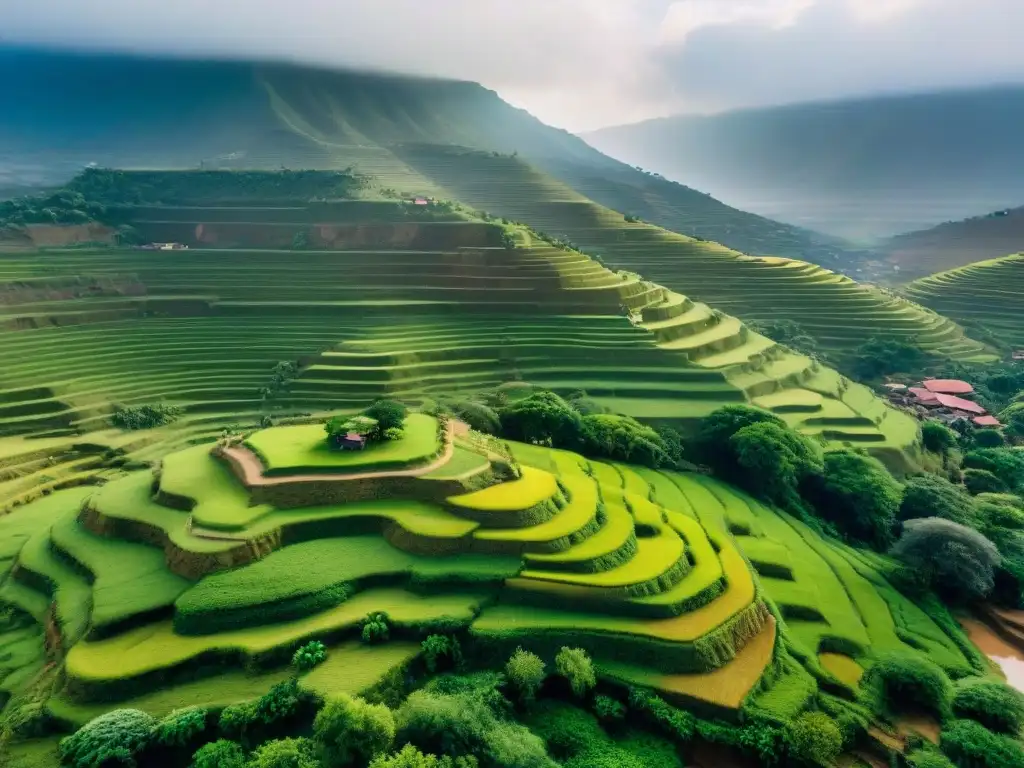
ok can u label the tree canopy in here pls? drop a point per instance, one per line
(954, 560)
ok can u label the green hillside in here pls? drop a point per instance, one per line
(453, 304)
(986, 295)
(836, 310)
(957, 243)
(65, 110)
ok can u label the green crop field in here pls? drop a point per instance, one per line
(985, 295)
(181, 573)
(302, 449)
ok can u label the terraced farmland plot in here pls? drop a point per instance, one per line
(987, 295)
(835, 309)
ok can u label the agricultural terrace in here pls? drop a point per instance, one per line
(454, 304)
(745, 610)
(985, 295)
(836, 310)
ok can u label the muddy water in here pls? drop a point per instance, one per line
(1009, 658)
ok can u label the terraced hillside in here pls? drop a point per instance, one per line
(839, 312)
(987, 295)
(66, 110)
(196, 582)
(451, 304)
(957, 243)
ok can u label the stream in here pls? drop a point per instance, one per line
(1009, 658)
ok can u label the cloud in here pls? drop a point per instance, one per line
(835, 48)
(577, 63)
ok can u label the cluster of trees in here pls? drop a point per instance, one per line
(384, 420)
(63, 207)
(134, 417)
(963, 540)
(573, 423)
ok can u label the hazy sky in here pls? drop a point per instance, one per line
(580, 64)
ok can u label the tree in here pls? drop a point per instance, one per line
(968, 743)
(711, 444)
(219, 754)
(105, 740)
(937, 437)
(1013, 418)
(905, 682)
(410, 757)
(954, 560)
(625, 439)
(349, 730)
(575, 666)
(882, 356)
(376, 629)
(858, 496)
(989, 438)
(540, 418)
(932, 496)
(390, 414)
(284, 753)
(525, 671)
(773, 460)
(300, 241)
(815, 739)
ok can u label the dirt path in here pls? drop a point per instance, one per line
(241, 458)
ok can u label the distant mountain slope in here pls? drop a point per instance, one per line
(957, 243)
(867, 167)
(64, 110)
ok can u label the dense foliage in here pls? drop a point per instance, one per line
(309, 656)
(576, 667)
(349, 730)
(219, 754)
(525, 671)
(108, 739)
(954, 560)
(815, 739)
(968, 743)
(883, 356)
(900, 682)
(933, 496)
(144, 416)
(992, 703)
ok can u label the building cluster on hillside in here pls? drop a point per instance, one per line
(164, 247)
(948, 400)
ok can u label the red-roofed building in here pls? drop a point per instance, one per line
(987, 421)
(959, 404)
(923, 396)
(352, 441)
(948, 387)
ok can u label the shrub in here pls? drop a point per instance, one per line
(609, 711)
(477, 415)
(937, 437)
(525, 671)
(989, 438)
(983, 481)
(389, 414)
(992, 703)
(931, 496)
(181, 728)
(144, 416)
(394, 434)
(575, 666)
(567, 730)
(375, 629)
(711, 444)
(284, 753)
(624, 439)
(1005, 463)
(858, 495)
(410, 757)
(435, 647)
(109, 739)
(279, 703)
(235, 719)
(815, 739)
(899, 682)
(882, 356)
(465, 721)
(968, 743)
(349, 729)
(954, 560)
(219, 754)
(309, 655)
(928, 758)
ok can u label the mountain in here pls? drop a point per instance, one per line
(860, 168)
(64, 110)
(957, 243)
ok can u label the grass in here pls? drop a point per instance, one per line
(71, 592)
(303, 449)
(129, 579)
(156, 646)
(577, 514)
(843, 667)
(17, 527)
(220, 501)
(315, 567)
